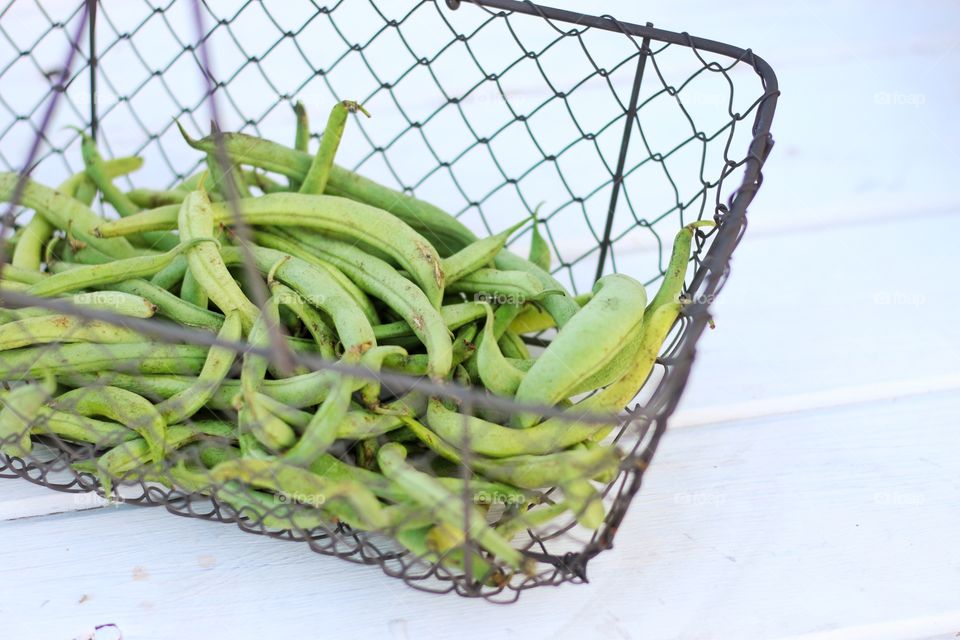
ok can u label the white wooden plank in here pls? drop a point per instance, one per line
(803, 524)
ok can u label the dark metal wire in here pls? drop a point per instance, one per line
(560, 557)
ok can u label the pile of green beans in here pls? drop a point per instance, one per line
(353, 273)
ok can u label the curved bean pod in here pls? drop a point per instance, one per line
(151, 198)
(19, 415)
(490, 439)
(65, 213)
(539, 249)
(477, 254)
(561, 307)
(184, 404)
(382, 281)
(299, 391)
(96, 170)
(316, 179)
(496, 373)
(604, 323)
(446, 506)
(325, 339)
(454, 316)
(298, 250)
(195, 223)
(269, 430)
(75, 428)
(122, 406)
(444, 231)
(513, 287)
(349, 501)
(316, 287)
(323, 427)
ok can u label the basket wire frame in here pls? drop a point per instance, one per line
(560, 555)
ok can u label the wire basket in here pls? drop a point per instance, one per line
(613, 135)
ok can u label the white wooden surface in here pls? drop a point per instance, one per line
(810, 485)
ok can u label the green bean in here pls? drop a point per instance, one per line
(659, 318)
(534, 320)
(76, 428)
(336, 216)
(64, 213)
(316, 179)
(113, 168)
(323, 427)
(447, 507)
(454, 316)
(358, 424)
(496, 373)
(539, 249)
(28, 250)
(513, 346)
(317, 287)
(373, 360)
(524, 471)
(302, 138)
(151, 198)
(560, 307)
(169, 305)
(113, 301)
(95, 168)
(502, 317)
(172, 274)
(444, 231)
(87, 276)
(477, 254)
(494, 285)
(136, 455)
(272, 432)
(192, 292)
(298, 391)
(349, 501)
(298, 250)
(122, 406)
(19, 414)
(63, 328)
(325, 339)
(19, 274)
(490, 439)
(415, 539)
(382, 281)
(585, 344)
(184, 404)
(195, 222)
(532, 518)
(141, 357)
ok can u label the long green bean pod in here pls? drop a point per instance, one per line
(216, 366)
(122, 406)
(316, 179)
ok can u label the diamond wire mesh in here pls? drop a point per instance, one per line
(483, 111)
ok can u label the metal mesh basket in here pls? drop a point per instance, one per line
(614, 135)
